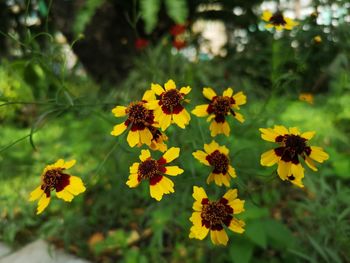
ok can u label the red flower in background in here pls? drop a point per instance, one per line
(141, 43)
(177, 29)
(179, 44)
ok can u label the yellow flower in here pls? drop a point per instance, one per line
(292, 146)
(217, 157)
(318, 39)
(54, 178)
(278, 21)
(220, 107)
(154, 171)
(214, 215)
(143, 128)
(157, 142)
(307, 97)
(169, 107)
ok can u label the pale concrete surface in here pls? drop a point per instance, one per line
(40, 252)
(4, 250)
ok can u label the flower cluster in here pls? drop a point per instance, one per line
(146, 122)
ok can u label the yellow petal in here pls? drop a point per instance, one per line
(284, 169)
(65, 195)
(211, 147)
(59, 163)
(310, 163)
(164, 186)
(216, 128)
(209, 93)
(210, 178)
(149, 95)
(197, 230)
(217, 179)
(280, 130)
(200, 110)
(146, 136)
(266, 16)
(152, 105)
(119, 129)
(171, 154)
(222, 237)
(231, 195)
(239, 117)
(297, 170)
(294, 130)
(228, 92)
(119, 111)
(36, 194)
(182, 118)
(237, 206)
(69, 164)
(269, 158)
(201, 156)
(308, 135)
(269, 134)
(185, 90)
(318, 154)
(199, 193)
(224, 150)
(170, 84)
(157, 89)
(145, 154)
(219, 237)
(232, 171)
(76, 185)
(173, 170)
(133, 138)
(211, 116)
(221, 179)
(240, 99)
(42, 204)
(237, 225)
(226, 127)
(134, 168)
(133, 181)
(164, 121)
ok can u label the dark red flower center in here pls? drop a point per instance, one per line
(214, 214)
(152, 170)
(277, 19)
(219, 161)
(220, 106)
(54, 179)
(148, 169)
(156, 133)
(171, 101)
(291, 147)
(139, 116)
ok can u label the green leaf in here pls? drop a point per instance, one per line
(280, 233)
(177, 10)
(256, 232)
(318, 248)
(85, 14)
(241, 250)
(149, 13)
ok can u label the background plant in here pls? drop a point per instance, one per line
(50, 108)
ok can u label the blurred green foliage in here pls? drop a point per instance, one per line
(49, 112)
